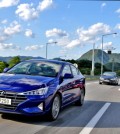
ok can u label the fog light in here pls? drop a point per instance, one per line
(40, 106)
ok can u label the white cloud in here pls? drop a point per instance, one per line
(73, 43)
(8, 3)
(45, 4)
(7, 32)
(103, 5)
(4, 46)
(27, 12)
(29, 33)
(87, 36)
(117, 26)
(118, 10)
(92, 31)
(14, 28)
(3, 38)
(33, 47)
(107, 46)
(4, 21)
(63, 41)
(56, 32)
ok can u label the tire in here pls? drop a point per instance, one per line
(117, 84)
(100, 82)
(55, 108)
(81, 99)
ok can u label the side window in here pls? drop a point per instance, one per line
(66, 69)
(74, 70)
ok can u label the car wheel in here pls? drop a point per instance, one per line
(81, 99)
(55, 108)
(100, 82)
(117, 83)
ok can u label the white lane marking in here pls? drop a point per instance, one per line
(91, 83)
(119, 89)
(88, 83)
(91, 124)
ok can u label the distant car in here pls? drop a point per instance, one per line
(109, 78)
(37, 87)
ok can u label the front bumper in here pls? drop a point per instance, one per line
(28, 105)
(109, 81)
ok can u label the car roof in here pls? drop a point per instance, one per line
(52, 61)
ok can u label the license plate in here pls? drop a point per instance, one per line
(5, 101)
(106, 80)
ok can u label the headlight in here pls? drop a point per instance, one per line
(113, 79)
(41, 91)
(101, 78)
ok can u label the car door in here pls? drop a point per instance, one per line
(67, 85)
(78, 82)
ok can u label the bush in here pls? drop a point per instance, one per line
(85, 71)
(2, 66)
(14, 61)
(118, 72)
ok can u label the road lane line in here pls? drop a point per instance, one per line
(91, 124)
(119, 89)
(88, 83)
(91, 83)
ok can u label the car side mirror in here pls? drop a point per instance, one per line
(68, 76)
(5, 70)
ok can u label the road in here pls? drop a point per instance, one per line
(100, 114)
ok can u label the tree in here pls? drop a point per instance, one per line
(14, 61)
(84, 64)
(2, 66)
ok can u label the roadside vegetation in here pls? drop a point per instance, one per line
(83, 65)
(11, 63)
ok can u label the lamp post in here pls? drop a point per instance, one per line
(102, 50)
(55, 42)
(93, 60)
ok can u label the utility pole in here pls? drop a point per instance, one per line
(113, 65)
(55, 42)
(102, 50)
(93, 60)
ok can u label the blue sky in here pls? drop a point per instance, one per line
(26, 26)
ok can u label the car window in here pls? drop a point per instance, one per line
(66, 69)
(74, 71)
(109, 73)
(36, 68)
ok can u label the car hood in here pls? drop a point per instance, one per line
(108, 77)
(22, 83)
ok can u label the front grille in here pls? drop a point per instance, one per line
(15, 99)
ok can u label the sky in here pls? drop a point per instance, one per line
(26, 26)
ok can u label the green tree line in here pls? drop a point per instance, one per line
(86, 65)
(10, 64)
(83, 65)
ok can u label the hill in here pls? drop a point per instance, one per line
(7, 59)
(106, 57)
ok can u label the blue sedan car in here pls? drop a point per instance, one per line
(37, 87)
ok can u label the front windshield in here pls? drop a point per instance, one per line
(109, 74)
(41, 68)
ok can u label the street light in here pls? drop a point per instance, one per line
(93, 60)
(55, 42)
(102, 51)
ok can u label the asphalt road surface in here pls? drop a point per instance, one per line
(100, 114)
